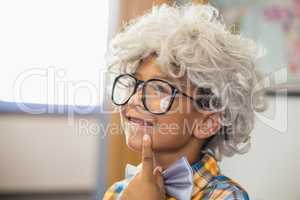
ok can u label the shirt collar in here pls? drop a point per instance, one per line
(204, 171)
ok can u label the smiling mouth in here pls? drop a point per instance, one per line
(139, 121)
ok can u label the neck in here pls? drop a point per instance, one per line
(191, 150)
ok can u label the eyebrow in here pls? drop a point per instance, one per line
(155, 76)
(174, 82)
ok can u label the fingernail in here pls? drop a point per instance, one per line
(146, 138)
(160, 169)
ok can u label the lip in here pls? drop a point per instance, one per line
(139, 121)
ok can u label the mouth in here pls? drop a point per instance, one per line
(139, 121)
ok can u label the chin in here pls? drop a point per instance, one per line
(134, 135)
(134, 142)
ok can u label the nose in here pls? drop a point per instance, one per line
(136, 99)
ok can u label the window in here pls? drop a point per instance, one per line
(52, 51)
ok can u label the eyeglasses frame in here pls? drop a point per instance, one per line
(138, 82)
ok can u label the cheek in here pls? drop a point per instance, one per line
(171, 133)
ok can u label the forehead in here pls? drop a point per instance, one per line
(149, 68)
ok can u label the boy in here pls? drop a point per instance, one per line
(186, 93)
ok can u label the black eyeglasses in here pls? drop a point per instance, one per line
(157, 95)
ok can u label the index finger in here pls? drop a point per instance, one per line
(147, 157)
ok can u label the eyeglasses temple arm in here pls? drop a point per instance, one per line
(186, 95)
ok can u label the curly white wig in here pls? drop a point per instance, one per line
(193, 41)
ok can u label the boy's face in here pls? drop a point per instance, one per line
(170, 131)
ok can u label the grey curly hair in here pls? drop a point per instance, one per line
(192, 40)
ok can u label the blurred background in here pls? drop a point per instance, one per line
(59, 138)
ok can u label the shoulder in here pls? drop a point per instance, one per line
(224, 188)
(114, 191)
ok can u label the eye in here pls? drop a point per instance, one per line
(158, 87)
(162, 89)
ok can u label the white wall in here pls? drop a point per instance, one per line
(271, 170)
(44, 153)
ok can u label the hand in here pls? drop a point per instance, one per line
(148, 183)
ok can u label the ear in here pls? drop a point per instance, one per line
(208, 125)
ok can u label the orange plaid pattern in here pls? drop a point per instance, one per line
(209, 184)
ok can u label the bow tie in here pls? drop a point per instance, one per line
(178, 178)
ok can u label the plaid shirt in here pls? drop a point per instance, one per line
(209, 184)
